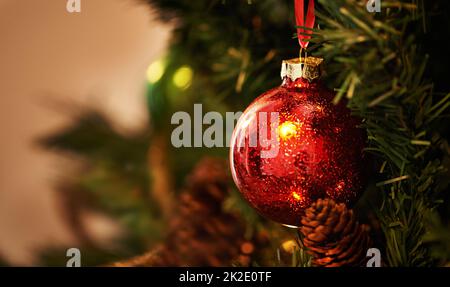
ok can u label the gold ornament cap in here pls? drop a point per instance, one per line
(309, 68)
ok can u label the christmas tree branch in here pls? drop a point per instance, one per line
(399, 108)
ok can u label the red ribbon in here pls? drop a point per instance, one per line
(304, 34)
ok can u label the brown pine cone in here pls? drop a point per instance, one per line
(333, 236)
(200, 233)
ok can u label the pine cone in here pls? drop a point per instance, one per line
(333, 236)
(200, 232)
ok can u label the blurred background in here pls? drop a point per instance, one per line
(53, 64)
(86, 104)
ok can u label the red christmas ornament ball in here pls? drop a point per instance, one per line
(311, 149)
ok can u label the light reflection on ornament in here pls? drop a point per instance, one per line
(299, 85)
(340, 186)
(287, 130)
(296, 196)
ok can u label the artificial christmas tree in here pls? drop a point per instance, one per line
(391, 67)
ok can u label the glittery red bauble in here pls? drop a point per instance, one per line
(319, 154)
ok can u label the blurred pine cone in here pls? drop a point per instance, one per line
(200, 232)
(333, 236)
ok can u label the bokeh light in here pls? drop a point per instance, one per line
(183, 77)
(155, 71)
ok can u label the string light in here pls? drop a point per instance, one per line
(155, 71)
(183, 77)
(289, 246)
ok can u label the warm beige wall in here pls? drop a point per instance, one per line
(95, 58)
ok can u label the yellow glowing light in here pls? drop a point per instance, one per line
(296, 196)
(289, 246)
(287, 130)
(155, 71)
(183, 77)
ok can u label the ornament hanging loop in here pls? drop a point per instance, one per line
(304, 24)
(302, 54)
